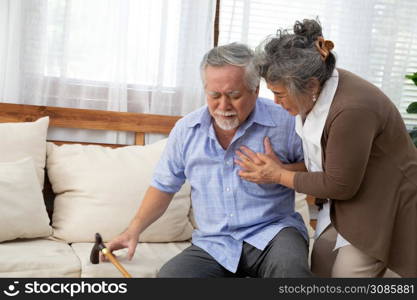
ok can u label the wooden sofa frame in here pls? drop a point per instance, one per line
(138, 123)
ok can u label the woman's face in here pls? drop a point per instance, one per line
(302, 105)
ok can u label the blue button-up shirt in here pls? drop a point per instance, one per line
(229, 210)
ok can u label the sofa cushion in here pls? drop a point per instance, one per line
(25, 139)
(148, 259)
(38, 258)
(23, 212)
(301, 206)
(99, 189)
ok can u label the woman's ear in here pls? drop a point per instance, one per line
(313, 85)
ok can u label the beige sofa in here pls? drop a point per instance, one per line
(97, 189)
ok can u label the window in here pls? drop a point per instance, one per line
(376, 39)
(99, 35)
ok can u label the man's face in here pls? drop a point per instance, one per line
(229, 100)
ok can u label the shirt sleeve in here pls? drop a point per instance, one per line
(169, 173)
(347, 152)
(294, 145)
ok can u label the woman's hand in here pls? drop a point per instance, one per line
(259, 167)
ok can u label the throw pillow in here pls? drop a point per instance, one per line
(99, 189)
(25, 139)
(23, 212)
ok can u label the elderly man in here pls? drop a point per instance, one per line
(244, 229)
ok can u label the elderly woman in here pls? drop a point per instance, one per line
(362, 165)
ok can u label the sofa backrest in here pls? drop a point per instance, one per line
(138, 123)
(90, 119)
(61, 117)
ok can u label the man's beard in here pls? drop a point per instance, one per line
(223, 123)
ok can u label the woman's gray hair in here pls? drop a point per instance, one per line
(234, 54)
(292, 59)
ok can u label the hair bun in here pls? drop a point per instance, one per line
(310, 29)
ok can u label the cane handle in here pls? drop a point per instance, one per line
(115, 262)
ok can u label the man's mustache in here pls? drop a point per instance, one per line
(225, 113)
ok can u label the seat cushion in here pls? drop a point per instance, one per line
(301, 206)
(148, 259)
(38, 258)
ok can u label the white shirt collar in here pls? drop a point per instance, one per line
(313, 126)
(311, 131)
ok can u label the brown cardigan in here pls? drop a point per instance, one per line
(370, 173)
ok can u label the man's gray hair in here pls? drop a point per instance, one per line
(234, 54)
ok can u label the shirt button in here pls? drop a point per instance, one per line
(231, 215)
(227, 189)
(229, 163)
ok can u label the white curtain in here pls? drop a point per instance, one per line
(376, 39)
(119, 55)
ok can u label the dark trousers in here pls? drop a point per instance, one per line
(285, 256)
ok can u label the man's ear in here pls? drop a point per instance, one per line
(257, 90)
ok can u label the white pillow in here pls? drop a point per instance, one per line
(99, 189)
(23, 212)
(25, 139)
